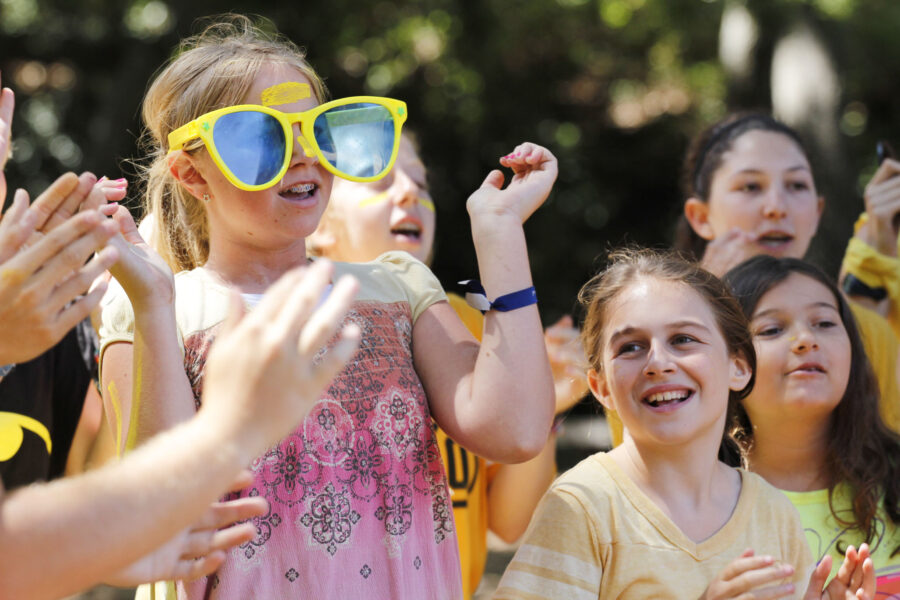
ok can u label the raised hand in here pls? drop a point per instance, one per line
(727, 251)
(44, 287)
(141, 272)
(200, 549)
(855, 580)
(750, 576)
(279, 347)
(882, 198)
(567, 362)
(534, 171)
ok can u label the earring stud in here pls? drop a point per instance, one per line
(206, 198)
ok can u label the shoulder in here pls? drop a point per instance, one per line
(765, 499)
(590, 483)
(395, 276)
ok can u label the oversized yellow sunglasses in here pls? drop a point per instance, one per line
(356, 138)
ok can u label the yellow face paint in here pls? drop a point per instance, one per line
(284, 93)
(117, 413)
(12, 434)
(383, 197)
(12, 276)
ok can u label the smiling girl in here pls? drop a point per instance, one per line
(244, 153)
(811, 426)
(749, 189)
(660, 516)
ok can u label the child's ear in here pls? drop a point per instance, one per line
(597, 383)
(696, 212)
(182, 168)
(740, 373)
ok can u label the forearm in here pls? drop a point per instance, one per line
(515, 491)
(64, 536)
(159, 383)
(511, 385)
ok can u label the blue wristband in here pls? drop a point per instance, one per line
(476, 298)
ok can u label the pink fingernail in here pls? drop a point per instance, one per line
(121, 179)
(101, 179)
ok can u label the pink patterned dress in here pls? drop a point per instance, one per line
(359, 503)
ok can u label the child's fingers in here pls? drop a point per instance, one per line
(845, 572)
(494, 179)
(60, 203)
(223, 514)
(71, 257)
(16, 226)
(62, 240)
(757, 577)
(338, 355)
(80, 281)
(78, 310)
(304, 297)
(189, 569)
(818, 578)
(327, 319)
(743, 563)
(867, 586)
(233, 317)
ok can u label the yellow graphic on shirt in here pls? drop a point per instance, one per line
(284, 93)
(12, 434)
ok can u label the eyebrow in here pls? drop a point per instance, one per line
(769, 311)
(676, 325)
(752, 171)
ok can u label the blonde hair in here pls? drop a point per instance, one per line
(209, 71)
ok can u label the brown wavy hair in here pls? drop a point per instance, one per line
(861, 452)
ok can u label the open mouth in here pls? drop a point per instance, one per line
(407, 230)
(301, 191)
(809, 368)
(670, 398)
(775, 239)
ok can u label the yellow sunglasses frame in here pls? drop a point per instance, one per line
(202, 127)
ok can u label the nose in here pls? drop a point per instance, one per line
(774, 206)
(302, 151)
(803, 340)
(659, 362)
(404, 189)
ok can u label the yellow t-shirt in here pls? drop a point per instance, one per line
(824, 534)
(596, 535)
(468, 476)
(881, 349)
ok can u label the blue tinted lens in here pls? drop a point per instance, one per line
(251, 144)
(357, 139)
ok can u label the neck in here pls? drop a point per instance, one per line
(790, 453)
(687, 473)
(253, 269)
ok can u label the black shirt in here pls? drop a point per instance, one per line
(51, 389)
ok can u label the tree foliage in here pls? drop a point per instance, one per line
(614, 87)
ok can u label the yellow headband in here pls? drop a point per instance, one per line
(383, 196)
(284, 93)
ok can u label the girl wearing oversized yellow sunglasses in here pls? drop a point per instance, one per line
(244, 156)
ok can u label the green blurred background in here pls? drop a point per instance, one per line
(614, 87)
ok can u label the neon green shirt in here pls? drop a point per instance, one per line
(824, 534)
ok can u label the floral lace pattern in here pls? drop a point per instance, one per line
(359, 484)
